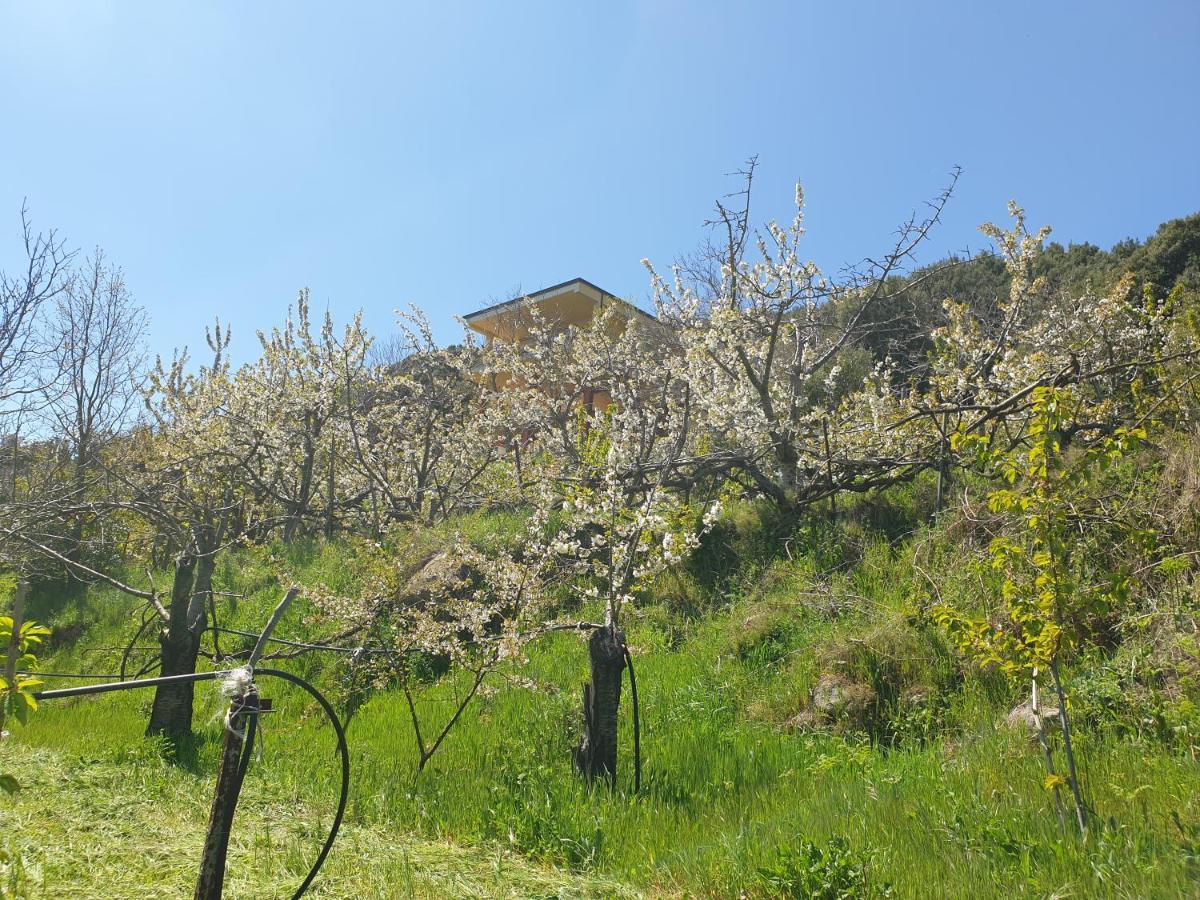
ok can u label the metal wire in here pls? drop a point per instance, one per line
(67, 675)
(331, 648)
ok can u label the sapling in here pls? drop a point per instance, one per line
(1045, 600)
(18, 638)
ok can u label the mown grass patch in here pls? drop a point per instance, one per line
(135, 831)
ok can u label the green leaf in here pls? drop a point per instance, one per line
(9, 783)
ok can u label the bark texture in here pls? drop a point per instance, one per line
(596, 755)
(179, 648)
(211, 881)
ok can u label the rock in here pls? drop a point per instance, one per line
(806, 720)
(838, 699)
(1023, 718)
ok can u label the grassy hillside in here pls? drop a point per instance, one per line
(806, 732)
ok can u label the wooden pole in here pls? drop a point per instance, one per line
(243, 710)
(941, 470)
(229, 786)
(829, 470)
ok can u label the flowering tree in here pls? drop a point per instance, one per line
(421, 438)
(601, 521)
(988, 364)
(464, 610)
(765, 338)
(610, 471)
(298, 390)
(188, 487)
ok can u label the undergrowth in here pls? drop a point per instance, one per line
(807, 732)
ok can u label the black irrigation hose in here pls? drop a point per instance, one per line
(343, 750)
(637, 724)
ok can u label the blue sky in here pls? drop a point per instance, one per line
(445, 154)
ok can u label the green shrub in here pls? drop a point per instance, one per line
(806, 870)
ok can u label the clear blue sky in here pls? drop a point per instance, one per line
(227, 154)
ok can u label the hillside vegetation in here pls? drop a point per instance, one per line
(843, 531)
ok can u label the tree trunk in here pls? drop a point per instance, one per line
(79, 481)
(1068, 750)
(179, 647)
(596, 755)
(299, 507)
(330, 510)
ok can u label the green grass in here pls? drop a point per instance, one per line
(731, 798)
(135, 828)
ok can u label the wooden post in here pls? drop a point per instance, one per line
(941, 470)
(243, 708)
(229, 786)
(829, 470)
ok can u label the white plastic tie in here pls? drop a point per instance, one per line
(234, 686)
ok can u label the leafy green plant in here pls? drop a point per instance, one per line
(16, 689)
(17, 638)
(1046, 600)
(832, 872)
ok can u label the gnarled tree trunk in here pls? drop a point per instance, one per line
(179, 646)
(596, 755)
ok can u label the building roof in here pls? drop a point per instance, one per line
(571, 286)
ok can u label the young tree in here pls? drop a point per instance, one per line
(462, 611)
(1047, 598)
(19, 639)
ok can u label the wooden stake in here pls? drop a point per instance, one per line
(941, 469)
(243, 710)
(829, 470)
(229, 786)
